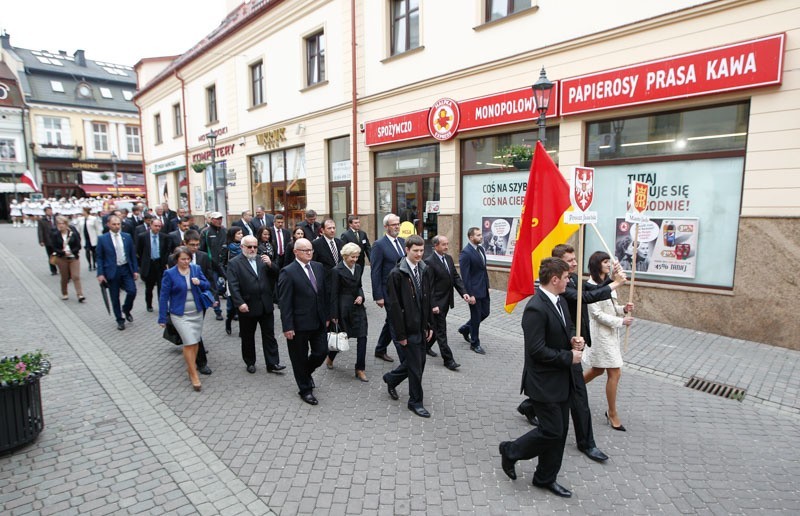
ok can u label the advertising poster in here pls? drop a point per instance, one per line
(163, 194)
(499, 237)
(667, 247)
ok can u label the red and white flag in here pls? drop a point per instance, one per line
(29, 180)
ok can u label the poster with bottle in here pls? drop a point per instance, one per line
(667, 247)
(499, 237)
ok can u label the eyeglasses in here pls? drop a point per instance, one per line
(304, 250)
(251, 246)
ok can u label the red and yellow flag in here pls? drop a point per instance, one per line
(541, 226)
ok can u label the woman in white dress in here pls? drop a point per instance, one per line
(16, 213)
(605, 320)
(90, 227)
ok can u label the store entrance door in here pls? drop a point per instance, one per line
(409, 199)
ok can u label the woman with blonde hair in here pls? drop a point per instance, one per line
(66, 245)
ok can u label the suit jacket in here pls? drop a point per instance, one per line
(409, 310)
(73, 242)
(473, 272)
(286, 239)
(246, 287)
(45, 231)
(174, 240)
(548, 350)
(269, 221)
(144, 251)
(591, 294)
(106, 258)
(323, 254)
(205, 265)
(383, 259)
(345, 287)
(444, 281)
(302, 309)
(311, 232)
(174, 291)
(247, 227)
(141, 228)
(362, 240)
(129, 225)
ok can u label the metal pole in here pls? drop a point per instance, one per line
(116, 179)
(542, 122)
(214, 175)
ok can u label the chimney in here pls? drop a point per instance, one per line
(6, 40)
(80, 57)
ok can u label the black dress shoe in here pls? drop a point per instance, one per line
(464, 331)
(420, 411)
(149, 308)
(219, 317)
(555, 488)
(532, 419)
(595, 454)
(384, 357)
(275, 368)
(431, 352)
(121, 325)
(506, 463)
(309, 398)
(392, 391)
(478, 349)
(452, 365)
(128, 317)
(251, 369)
(204, 370)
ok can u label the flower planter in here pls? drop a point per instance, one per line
(522, 164)
(21, 418)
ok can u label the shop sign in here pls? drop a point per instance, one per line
(508, 107)
(225, 150)
(750, 64)
(271, 139)
(168, 164)
(409, 126)
(83, 165)
(218, 132)
(443, 119)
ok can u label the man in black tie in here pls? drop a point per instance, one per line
(386, 252)
(551, 349)
(152, 251)
(44, 230)
(445, 279)
(327, 248)
(409, 288)
(476, 280)
(356, 236)
(303, 299)
(281, 237)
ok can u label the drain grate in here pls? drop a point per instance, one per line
(717, 389)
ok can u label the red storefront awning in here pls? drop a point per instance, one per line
(124, 191)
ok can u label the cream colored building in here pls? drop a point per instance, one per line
(699, 99)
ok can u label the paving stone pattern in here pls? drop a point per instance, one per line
(125, 433)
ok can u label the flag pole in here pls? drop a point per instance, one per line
(633, 279)
(605, 245)
(579, 311)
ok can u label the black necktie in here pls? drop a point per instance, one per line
(560, 312)
(416, 279)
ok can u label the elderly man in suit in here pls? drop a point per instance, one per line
(445, 279)
(251, 280)
(476, 281)
(246, 223)
(152, 249)
(328, 248)
(551, 349)
(303, 300)
(117, 268)
(386, 252)
(356, 236)
(262, 218)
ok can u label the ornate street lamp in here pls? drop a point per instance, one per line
(542, 89)
(211, 138)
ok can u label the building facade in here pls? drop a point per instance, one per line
(410, 106)
(14, 137)
(84, 127)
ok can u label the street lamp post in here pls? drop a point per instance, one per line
(114, 166)
(211, 138)
(542, 89)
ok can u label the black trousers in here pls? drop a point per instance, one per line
(440, 330)
(411, 367)
(91, 255)
(477, 313)
(546, 441)
(307, 351)
(386, 336)
(579, 408)
(153, 279)
(247, 329)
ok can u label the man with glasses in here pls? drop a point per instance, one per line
(386, 252)
(303, 300)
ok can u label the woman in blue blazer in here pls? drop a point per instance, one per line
(185, 312)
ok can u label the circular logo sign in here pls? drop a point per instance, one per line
(443, 119)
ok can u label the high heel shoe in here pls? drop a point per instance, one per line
(197, 387)
(361, 375)
(619, 428)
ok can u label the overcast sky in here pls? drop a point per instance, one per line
(111, 30)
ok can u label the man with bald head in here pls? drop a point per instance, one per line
(117, 268)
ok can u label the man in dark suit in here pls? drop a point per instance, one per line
(143, 227)
(245, 224)
(176, 237)
(162, 216)
(251, 280)
(409, 288)
(44, 229)
(262, 218)
(327, 248)
(445, 279)
(303, 301)
(476, 280)
(386, 252)
(117, 267)
(152, 251)
(128, 223)
(281, 237)
(170, 214)
(550, 351)
(356, 236)
(310, 226)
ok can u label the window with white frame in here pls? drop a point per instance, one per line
(100, 132)
(211, 104)
(157, 128)
(133, 140)
(106, 93)
(177, 123)
(53, 130)
(315, 58)
(127, 95)
(257, 83)
(405, 25)
(57, 86)
(8, 149)
(496, 9)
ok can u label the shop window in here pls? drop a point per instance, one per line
(257, 83)
(487, 153)
(8, 149)
(133, 140)
(315, 58)
(405, 25)
(157, 128)
(100, 132)
(697, 131)
(496, 9)
(177, 121)
(211, 104)
(279, 183)
(340, 174)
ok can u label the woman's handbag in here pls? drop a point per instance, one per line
(337, 341)
(53, 259)
(171, 333)
(207, 299)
